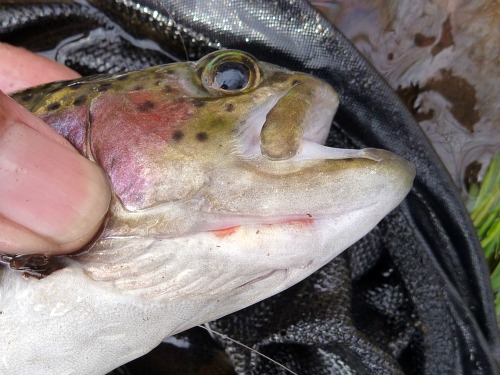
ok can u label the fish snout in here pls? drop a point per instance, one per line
(398, 172)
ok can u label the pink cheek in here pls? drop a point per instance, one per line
(128, 134)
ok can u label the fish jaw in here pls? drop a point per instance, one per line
(264, 253)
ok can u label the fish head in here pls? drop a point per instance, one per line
(225, 177)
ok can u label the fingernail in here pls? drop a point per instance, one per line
(49, 190)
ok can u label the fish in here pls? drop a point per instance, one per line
(223, 195)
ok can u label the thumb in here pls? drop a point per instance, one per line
(52, 199)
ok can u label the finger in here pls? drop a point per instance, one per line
(20, 69)
(52, 199)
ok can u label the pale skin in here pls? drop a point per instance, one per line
(52, 199)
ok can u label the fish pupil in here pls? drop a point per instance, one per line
(232, 76)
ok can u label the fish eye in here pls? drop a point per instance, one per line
(229, 72)
(232, 76)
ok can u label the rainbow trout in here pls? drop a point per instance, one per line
(223, 196)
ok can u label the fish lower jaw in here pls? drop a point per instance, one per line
(223, 261)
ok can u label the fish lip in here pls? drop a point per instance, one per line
(316, 128)
(304, 112)
(309, 220)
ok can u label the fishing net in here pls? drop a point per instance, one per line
(411, 297)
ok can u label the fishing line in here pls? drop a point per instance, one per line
(207, 327)
(212, 333)
(160, 5)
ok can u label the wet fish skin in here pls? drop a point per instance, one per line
(211, 213)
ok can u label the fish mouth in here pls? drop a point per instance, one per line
(279, 145)
(225, 226)
(376, 182)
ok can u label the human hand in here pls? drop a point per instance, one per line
(52, 199)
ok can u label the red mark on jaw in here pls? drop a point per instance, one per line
(226, 232)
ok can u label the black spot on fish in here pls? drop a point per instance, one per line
(202, 136)
(169, 71)
(198, 103)
(229, 107)
(177, 136)
(53, 106)
(167, 88)
(295, 82)
(137, 88)
(104, 87)
(146, 106)
(80, 100)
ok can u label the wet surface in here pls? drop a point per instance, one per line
(443, 59)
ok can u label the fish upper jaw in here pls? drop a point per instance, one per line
(276, 128)
(293, 125)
